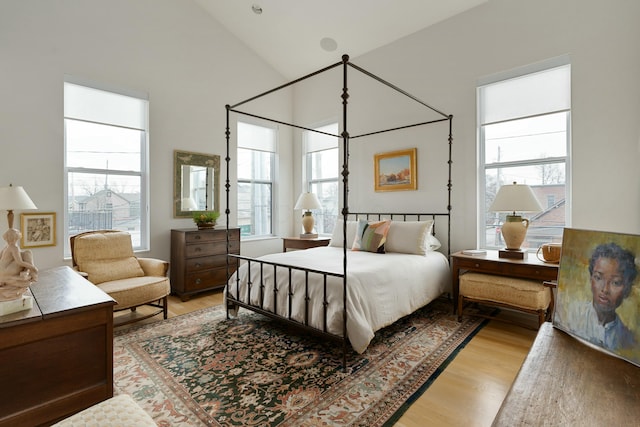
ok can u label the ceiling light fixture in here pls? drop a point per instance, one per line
(328, 44)
(256, 9)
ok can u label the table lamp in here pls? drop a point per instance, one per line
(308, 201)
(19, 272)
(514, 198)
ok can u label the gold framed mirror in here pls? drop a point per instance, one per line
(196, 182)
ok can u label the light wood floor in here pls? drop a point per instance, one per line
(470, 390)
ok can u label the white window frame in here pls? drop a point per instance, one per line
(273, 149)
(308, 180)
(483, 167)
(141, 242)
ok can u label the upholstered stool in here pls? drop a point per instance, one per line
(120, 411)
(525, 295)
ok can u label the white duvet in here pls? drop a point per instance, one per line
(381, 288)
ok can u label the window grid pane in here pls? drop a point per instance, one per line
(256, 169)
(530, 151)
(322, 171)
(105, 170)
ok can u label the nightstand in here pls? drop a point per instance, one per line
(299, 243)
(490, 264)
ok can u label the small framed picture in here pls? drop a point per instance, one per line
(396, 170)
(38, 229)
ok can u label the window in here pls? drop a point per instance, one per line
(322, 172)
(524, 137)
(105, 134)
(256, 166)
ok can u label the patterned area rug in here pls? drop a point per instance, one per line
(201, 369)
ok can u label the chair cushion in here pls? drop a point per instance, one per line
(523, 293)
(120, 410)
(106, 256)
(135, 291)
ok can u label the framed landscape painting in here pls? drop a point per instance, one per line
(396, 170)
(38, 229)
(598, 295)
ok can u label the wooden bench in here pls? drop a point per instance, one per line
(566, 382)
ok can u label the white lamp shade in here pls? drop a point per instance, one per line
(308, 201)
(515, 198)
(15, 198)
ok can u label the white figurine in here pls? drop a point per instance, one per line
(17, 271)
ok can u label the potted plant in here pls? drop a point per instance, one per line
(205, 219)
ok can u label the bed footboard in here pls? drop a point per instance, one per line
(258, 286)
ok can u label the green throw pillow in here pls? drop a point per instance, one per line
(371, 236)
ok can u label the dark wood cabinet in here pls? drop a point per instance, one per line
(199, 259)
(57, 357)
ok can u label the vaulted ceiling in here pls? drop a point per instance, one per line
(299, 36)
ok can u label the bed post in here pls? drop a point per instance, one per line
(226, 211)
(345, 204)
(449, 185)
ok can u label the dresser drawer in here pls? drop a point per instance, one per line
(207, 278)
(211, 236)
(211, 248)
(205, 263)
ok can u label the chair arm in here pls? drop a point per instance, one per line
(153, 266)
(81, 273)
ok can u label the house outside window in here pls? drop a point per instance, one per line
(524, 136)
(106, 167)
(321, 165)
(256, 178)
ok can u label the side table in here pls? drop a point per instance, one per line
(299, 243)
(528, 268)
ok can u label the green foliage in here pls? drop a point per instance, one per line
(200, 217)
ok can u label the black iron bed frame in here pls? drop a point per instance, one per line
(235, 302)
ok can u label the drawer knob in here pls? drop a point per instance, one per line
(197, 281)
(198, 237)
(198, 249)
(198, 264)
(477, 265)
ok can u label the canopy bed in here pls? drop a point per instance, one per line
(347, 291)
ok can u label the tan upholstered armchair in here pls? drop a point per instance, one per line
(106, 259)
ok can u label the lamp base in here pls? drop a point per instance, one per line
(309, 235)
(512, 253)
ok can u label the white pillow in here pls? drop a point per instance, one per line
(433, 243)
(410, 237)
(337, 238)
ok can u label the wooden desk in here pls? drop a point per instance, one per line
(564, 382)
(299, 243)
(528, 268)
(57, 358)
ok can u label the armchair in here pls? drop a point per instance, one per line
(106, 259)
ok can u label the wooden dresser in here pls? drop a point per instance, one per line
(57, 357)
(199, 259)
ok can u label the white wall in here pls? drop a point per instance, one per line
(191, 67)
(187, 63)
(441, 66)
